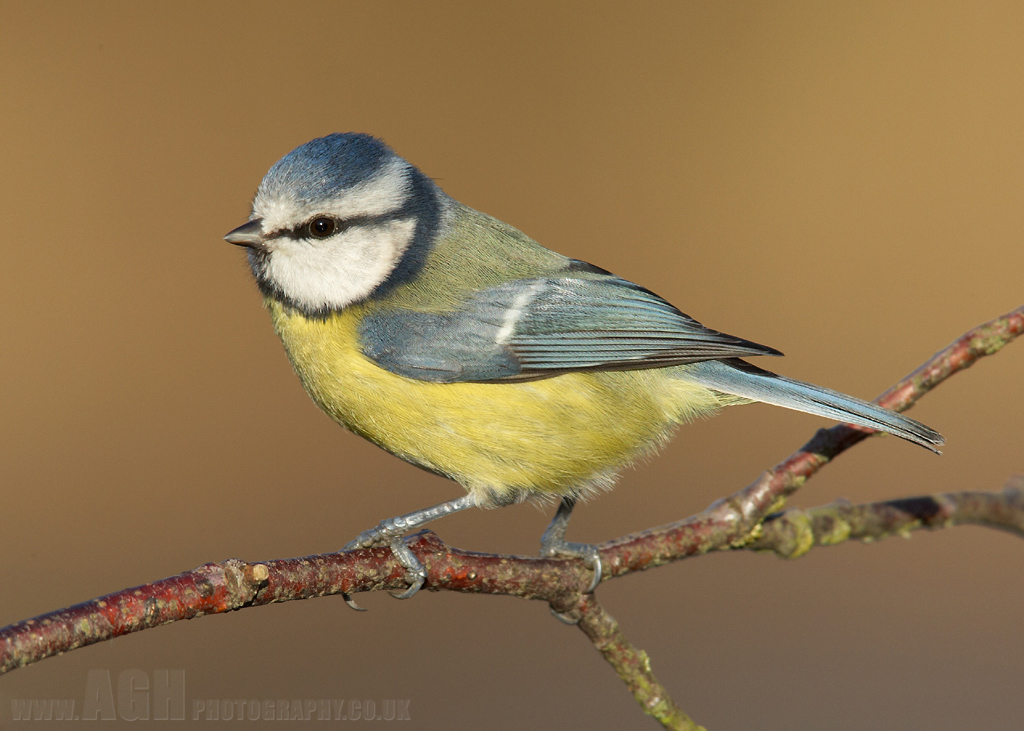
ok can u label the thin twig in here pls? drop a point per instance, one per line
(632, 665)
(793, 533)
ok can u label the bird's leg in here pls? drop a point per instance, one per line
(553, 543)
(390, 532)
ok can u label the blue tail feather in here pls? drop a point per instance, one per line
(739, 378)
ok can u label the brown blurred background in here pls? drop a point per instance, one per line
(841, 182)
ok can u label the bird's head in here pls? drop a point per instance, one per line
(336, 220)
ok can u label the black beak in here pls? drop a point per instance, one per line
(249, 235)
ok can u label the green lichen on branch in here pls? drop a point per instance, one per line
(792, 533)
(632, 665)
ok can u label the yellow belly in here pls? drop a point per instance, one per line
(501, 441)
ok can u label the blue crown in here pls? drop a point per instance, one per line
(326, 166)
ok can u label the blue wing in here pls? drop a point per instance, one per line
(536, 328)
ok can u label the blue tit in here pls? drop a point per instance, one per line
(459, 344)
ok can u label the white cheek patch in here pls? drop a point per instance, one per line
(335, 272)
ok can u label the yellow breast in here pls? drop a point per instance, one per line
(501, 441)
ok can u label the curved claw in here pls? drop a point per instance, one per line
(416, 583)
(415, 570)
(564, 618)
(589, 554)
(593, 562)
(348, 600)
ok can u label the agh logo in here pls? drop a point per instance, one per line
(138, 698)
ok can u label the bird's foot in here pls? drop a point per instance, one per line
(389, 533)
(586, 551)
(591, 559)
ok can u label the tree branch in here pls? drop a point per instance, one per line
(632, 665)
(732, 523)
(794, 532)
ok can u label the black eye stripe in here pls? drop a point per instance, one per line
(302, 231)
(309, 230)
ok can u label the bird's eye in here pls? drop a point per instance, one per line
(322, 227)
